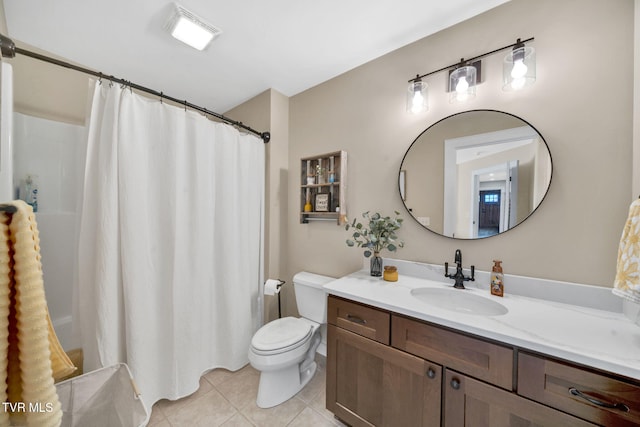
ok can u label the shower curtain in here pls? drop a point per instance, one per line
(170, 259)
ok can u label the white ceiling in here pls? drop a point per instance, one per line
(287, 45)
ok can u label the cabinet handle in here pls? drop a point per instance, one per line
(455, 384)
(431, 373)
(356, 319)
(621, 406)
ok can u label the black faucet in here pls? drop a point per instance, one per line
(459, 276)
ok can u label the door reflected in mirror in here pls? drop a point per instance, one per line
(475, 174)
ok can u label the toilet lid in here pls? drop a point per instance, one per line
(281, 333)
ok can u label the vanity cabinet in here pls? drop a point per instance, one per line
(323, 187)
(386, 369)
(370, 383)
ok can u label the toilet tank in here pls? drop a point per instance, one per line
(310, 295)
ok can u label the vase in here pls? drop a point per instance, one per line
(376, 265)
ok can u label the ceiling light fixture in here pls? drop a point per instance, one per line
(191, 29)
(519, 70)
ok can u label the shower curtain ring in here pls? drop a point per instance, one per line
(161, 95)
(100, 79)
(185, 105)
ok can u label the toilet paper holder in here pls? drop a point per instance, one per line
(278, 286)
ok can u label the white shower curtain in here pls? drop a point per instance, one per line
(170, 260)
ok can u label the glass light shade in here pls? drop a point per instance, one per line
(462, 84)
(417, 97)
(519, 68)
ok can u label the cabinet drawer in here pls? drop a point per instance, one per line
(589, 395)
(367, 321)
(484, 360)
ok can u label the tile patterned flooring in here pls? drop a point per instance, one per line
(229, 399)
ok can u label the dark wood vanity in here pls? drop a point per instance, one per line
(386, 369)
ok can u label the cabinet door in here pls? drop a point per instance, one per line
(369, 383)
(471, 403)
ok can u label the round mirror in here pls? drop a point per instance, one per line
(475, 174)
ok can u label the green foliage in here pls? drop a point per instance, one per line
(380, 233)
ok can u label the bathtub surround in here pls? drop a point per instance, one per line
(55, 152)
(170, 243)
(6, 142)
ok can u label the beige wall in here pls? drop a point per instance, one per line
(270, 111)
(584, 117)
(3, 19)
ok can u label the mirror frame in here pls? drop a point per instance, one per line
(402, 170)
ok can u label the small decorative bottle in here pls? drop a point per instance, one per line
(311, 178)
(497, 284)
(29, 192)
(307, 204)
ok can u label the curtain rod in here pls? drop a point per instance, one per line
(9, 50)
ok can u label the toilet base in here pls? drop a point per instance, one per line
(279, 386)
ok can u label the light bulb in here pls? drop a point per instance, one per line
(417, 103)
(461, 89)
(518, 83)
(462, 85)
(519, 69)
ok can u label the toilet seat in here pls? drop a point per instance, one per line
(281, 335)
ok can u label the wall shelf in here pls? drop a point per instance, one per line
(323, 187)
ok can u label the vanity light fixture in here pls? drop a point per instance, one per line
(519, 67)
(519, 71)
(462, 82)
(190, 29)
(417, 96)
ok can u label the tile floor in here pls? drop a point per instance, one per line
(229, 399)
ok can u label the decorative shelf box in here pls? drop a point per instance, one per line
(323, 181)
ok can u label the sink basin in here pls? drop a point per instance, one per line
(458, 300)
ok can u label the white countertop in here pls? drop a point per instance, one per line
(595, 333)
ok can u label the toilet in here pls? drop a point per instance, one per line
(284, 350)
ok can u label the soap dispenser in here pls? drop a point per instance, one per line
(497, 284)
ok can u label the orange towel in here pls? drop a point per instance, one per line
(31, 357)
(627, 280)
